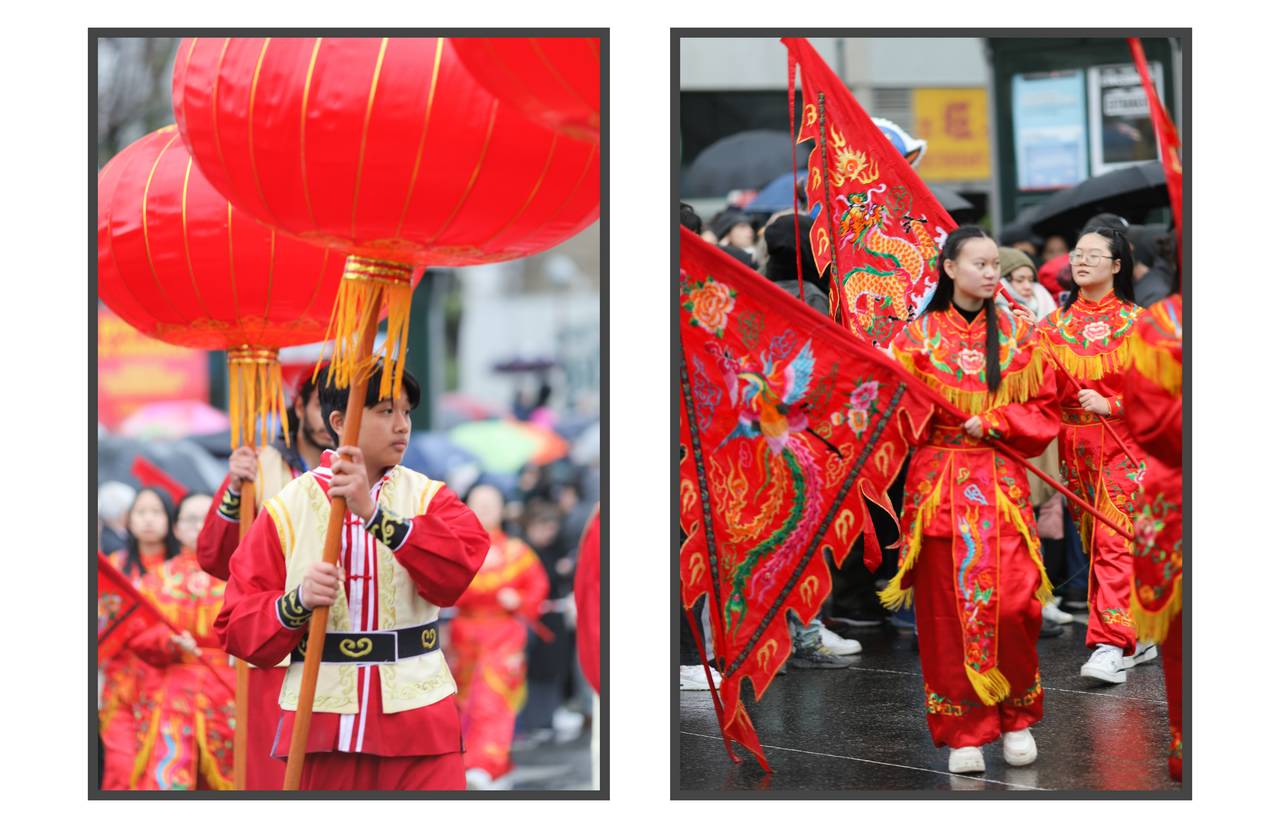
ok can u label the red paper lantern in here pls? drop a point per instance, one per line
(386, 148)
(554, 81)
(179, 263)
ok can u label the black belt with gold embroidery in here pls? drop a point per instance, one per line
(375, 646)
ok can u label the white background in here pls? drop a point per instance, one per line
(46, 411)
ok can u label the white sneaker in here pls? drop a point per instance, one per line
(836, 644)
(693, 677)
(1019, 747)
(1146, 651)
(1051, 612)
(568, 724)
(479, 779)
(1106, 664)
(966, 760)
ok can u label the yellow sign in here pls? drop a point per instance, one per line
(954, 122)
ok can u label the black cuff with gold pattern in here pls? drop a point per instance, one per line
(229, 508)
(388, 527)
(290, 611)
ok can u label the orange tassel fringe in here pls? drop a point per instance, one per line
(388, 286)
(256, 392)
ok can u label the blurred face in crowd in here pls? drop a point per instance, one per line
(190, 519)
(148, 521)
(542, 532)
(1092, 265)
(1021, 281)
(975, 270)
(311, 422)
(1054, 246)
(1026, 246)
(710, 236)
(486, 502)
(741, 235)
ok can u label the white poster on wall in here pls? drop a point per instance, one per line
(1120, 129)
(1049, 130)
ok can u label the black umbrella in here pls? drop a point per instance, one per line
(950, 200)
(743, 161)
(183, 460)
(1130, 192)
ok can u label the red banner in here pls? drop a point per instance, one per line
(877, 223)
(1166, 135)
(788, 426)
(122, 611)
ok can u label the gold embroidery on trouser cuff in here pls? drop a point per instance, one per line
(290, 610)
(388, 528)
(229, 508)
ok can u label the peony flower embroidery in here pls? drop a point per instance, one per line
(971, 361)
(1096, 331)
(709, 304)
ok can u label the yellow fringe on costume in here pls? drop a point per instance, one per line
(148, 744)
(1158, 365)
(1096, 366)
(893, 596)
(208, 764)
(367, 286)
(992, 687)
(1009, 511)
(1154, 626)
(256, 392)
(1016, 387)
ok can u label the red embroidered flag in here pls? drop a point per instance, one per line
(122, 611)
(1166, 135)
(786, 424)
(875, 217)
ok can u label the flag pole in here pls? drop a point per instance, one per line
(828, 209)
(711, 685)
(332, 546)
(240, 745)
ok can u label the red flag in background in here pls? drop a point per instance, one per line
(876, 218)
(122, 611)
(787, 426)
(149, 474)
(1166, 135)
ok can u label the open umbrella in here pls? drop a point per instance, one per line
(183, 460)
(777, 194)
(174, 419)
(951, 201)
(506, 445)
(741, 161)
(1130, 192)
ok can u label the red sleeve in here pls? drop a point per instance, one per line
(249, 626)
(586, 594)
(1028, 427)
(153, 645)
(444, 550)
(533, 586)
(1154, 417)
(218, 538)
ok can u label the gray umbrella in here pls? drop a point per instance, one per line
(743, 161)
(183, 460)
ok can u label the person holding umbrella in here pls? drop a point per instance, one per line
(1090, 340)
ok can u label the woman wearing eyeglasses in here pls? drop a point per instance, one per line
(1091, 336)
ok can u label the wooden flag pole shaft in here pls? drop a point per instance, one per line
(829, 210)
(332, 545)
(241, 740)
(711, 685)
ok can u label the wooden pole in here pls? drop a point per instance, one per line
(332, 546)
(241, 739)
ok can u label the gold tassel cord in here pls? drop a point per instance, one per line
(1095, 366)
(1015, 387)
(992, 687)
(367, 282)
(1009, 511)
(894, 596)
(1153, 625)
(1158, 365)
(256, 393)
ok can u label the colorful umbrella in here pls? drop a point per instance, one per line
(507, 445)
(174, 419)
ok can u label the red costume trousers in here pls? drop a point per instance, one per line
(364, 772)
(490, 671)
(1107, 486)
(956, 716)
(1171, 649)
(262, 772)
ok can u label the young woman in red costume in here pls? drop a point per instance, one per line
(149, 542)
(971, 556)
(185, 714)
(1091, 337)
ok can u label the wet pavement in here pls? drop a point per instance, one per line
(863, 728)
(553, 766)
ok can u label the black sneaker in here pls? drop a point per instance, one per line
(1050, 629)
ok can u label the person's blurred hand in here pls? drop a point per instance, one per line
(243, 467)
(1095, 402)
(973, 427)
(320, 583)
(509, 599)
(185, 642)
